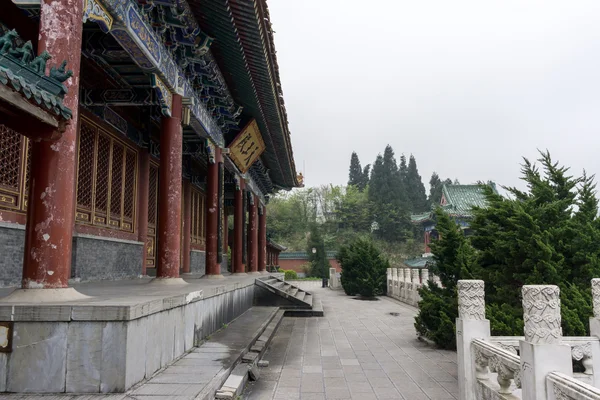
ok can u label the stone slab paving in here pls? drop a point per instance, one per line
(357, 351)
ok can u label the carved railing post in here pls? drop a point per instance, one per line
(470, 324)
(542, 351)
(425, 276)
(407, 284)
(394, 282)
(389, 281)
(595, 331)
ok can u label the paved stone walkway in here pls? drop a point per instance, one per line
(359, 350)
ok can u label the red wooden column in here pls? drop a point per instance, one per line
(51, 208)
(238, 229)
(142, 206)
(252, 237)
(225, 230)
(262, 240)
(186, 226)
(169, 193)
(212, 215)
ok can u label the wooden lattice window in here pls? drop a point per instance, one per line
(106, 179)
(152, 216)
(15, 156)
(198, 220)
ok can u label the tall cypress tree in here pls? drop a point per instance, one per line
(415, 188)
(355, 177)
(388, 201)
(435, 189)
(365, 177)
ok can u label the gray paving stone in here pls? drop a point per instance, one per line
(357, 351)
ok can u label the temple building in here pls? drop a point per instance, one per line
(130, 131)
(457, 201)
(140, 142)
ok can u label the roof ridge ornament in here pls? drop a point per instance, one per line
(27, 74)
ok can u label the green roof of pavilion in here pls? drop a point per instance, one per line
(459, 202)
(244, 49)
(419, 262)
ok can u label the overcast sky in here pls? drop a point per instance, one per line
(467, 87)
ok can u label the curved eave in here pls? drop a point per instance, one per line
(244, 50)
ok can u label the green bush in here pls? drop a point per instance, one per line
(290, 275)
(454, 259)
(364, 269)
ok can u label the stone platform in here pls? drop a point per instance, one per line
(120, 334)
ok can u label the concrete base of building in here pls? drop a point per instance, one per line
(41, 296)
(239, 274)
(120, 334)
(167, 281)
(213, 276)
(254, 273)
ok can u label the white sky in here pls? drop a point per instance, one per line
(468, 87)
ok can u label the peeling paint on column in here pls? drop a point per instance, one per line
(50, 216)
(169, 212)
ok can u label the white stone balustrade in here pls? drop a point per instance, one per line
(424, 276)
(404, 286)
(536, 366)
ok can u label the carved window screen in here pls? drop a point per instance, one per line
(106, 179)
(15, 156)
(198, 220)
(152, 216)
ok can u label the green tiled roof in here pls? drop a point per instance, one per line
(420, 262)
(302, 255)
(460, 199)
(418, 218)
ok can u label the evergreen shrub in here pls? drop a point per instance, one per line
(290, 274)
(364, 268)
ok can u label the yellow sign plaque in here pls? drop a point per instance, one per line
(247, 147)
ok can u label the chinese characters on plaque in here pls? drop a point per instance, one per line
(247, 147)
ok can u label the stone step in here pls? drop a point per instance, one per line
(300, 295)
(293, 290)
(315, 311)
(208, 366)
(248, 369)
(308, 298)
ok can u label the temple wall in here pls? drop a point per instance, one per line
(198, 262)
(12, 240)
(98, 258)
(108, 354)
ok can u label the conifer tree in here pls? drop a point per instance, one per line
(388, 200)
(365, 177)
(415, 188)
(547, 234)
(454, 259)
(355, 177)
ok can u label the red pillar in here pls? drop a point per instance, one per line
(186, 226)
(142, 206)
(51, 209)
(238, 229)
(262, 240)
(212, 216)
(225, 230)
(252, 237)
(169, 193)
